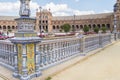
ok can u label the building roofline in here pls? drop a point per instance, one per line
(78, 17)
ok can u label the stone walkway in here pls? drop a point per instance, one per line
(6, 74)
(3, 77)
(105, 65)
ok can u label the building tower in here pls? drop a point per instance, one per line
(44, 21)
(117, 15)
(25, 41)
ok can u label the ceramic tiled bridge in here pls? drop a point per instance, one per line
(54, 52)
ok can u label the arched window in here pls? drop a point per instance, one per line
(8, 27)
(13, 27)
(4, 27)
(89, 26)
(94, 25)
(77, 26)
(46, 28)
(43, 27)
(0, 27)
(43, 21)
(108, 26)
(53, 27)
(99, 26)
(46, 21)
(57, 27)
(40, 27)
(81, 26)
(103, 25)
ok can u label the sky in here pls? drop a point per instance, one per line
(59, 7)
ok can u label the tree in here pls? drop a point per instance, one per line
(103, 29)
(96, 29)
(66, 27)
(86, 29)
(9, 30)
(49, 78)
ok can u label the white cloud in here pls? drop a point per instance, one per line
(56, 7)
(8, 6)
(60, 14)
(107, 11)
(64, 10)
(77, 12)
(12, 8)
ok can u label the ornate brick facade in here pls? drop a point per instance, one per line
(45, 22)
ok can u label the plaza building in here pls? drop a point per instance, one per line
(8, 23)
(45, 22)
(53, 23)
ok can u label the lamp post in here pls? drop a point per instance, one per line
(115, 27)
(74, 23)
(40, 21)
(116, 9)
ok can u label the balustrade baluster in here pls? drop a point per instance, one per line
(9, 52)
(56, 54)
(46, 54)
(41, 57)
(51, 48)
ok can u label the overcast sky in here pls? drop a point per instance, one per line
(59, 7)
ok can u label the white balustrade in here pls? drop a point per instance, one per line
(56, 51)
(7, 53)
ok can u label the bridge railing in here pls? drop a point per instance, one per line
(7, 54)
(118, 35)
(51, 52)
(91, 43)
(105, 39)
(58, 50)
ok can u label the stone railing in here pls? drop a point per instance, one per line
(105, 39)
(52, 52)
(91, 43)
(117, 35)
(7, 54)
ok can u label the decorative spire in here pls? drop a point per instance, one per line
(24, 8)
(117, 6)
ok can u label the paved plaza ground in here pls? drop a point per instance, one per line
(104, 65)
